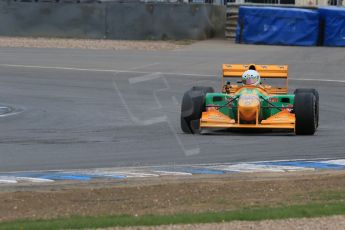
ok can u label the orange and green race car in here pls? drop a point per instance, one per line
(267, 105)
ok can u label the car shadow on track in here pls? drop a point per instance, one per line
(246, 132)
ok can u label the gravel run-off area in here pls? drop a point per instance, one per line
(172, 195)
(22, 42)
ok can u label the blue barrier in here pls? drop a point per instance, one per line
(333, 20)
(277, 26)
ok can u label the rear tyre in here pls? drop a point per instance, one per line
(193, 104)
(306, 113)
(316, 94)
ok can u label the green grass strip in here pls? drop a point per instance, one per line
(309, 210)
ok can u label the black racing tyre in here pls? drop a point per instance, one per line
(316, 94)
(306, 113)
(193, 104)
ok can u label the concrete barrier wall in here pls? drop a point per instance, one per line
(112, 20)
(52, 20)
(161, 21)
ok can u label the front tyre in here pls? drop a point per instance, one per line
(316, 94)
(193, 104)
(306, 112)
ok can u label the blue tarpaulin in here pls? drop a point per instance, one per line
(333, 19)
(277, 26)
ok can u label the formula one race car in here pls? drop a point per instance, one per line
(251, 106)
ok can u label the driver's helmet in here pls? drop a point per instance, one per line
(251, 77)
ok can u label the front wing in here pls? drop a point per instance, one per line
(216, 119)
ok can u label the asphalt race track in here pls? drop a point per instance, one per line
(75, 109)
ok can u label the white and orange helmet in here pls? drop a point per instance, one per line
(251, 77)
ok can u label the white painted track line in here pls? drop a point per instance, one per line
(145, 72)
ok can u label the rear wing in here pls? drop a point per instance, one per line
(265, 71)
